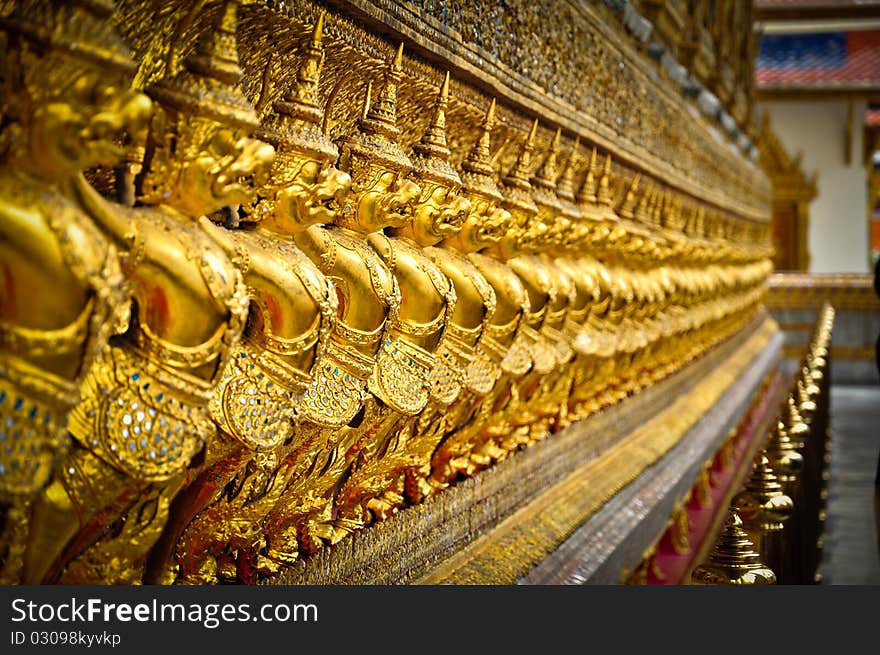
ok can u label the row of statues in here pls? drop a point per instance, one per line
(261, 340)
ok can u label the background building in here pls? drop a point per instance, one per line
(818, 82)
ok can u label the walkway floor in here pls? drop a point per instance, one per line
(852, 528)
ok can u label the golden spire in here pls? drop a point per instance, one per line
(544, 180)
(629, 203)
(519, 175)
(674, 213)
(295, 125)
(517, 189)
(433, 142)
(565, 183)
(216, 51)
(374, 142)
(480, 158)
(381, 117)
(699, 223)
(301, 101)
(545, 177)
(565, 186)
(604, 196)
(209, 83)
(734, 560)
(431, 154)
(478, 175)
(587, 193)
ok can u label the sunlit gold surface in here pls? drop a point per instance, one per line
(258, 297)
(734, 561)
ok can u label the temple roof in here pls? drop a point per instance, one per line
(804, 9)
(813, 3)
(819, 61)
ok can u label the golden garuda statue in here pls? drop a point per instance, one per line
(255, 300)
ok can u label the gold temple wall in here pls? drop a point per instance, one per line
(621, 403)
(498, 527)
(590, 78)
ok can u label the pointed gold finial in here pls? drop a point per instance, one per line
(605, 197)
(478, 173)
(209, 84)
(762, 504)
(783, 454)
(433, 142)
(587, 193)
(699, 229)
(565, 183)
(519, 174)
(517, 189)
(565, 190)
(544, 183)
(673, 218)
(431, 154)
(302, 100)
(629, 203)
(318, 32)
(734, 559)
(545, 177)
(479, 160)
(381, 118)
(297, 120)
(375, 141)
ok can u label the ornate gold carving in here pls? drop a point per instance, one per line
(66, 100)
(307, 297)
(147, 402)
(537, 529)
